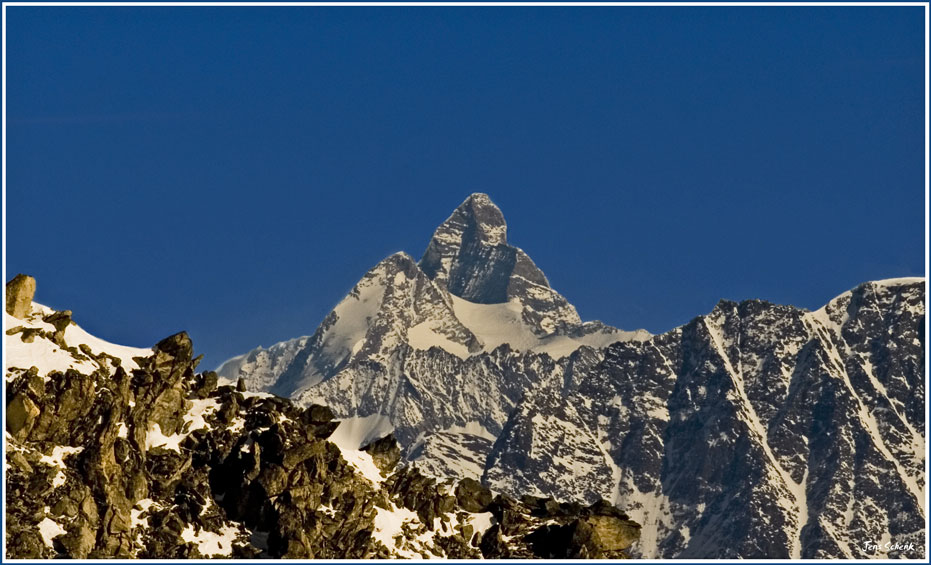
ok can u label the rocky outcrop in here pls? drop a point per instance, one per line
(19, 293)
(385, 453)
(144, 457)
(556, 530)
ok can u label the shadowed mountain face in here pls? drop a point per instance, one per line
(754, 431)
(469, 255)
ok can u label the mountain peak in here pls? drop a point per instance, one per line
(479, 213)
(396, 261)
(469, 253)
(470, 257)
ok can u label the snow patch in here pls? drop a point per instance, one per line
(200, 409)
(359, 431)
(48, 357)
(497, 324)
(473, 428)
(363, 463)
(423, 336)
(50, 529)
(155, 438)
(57, 459)
(481, 522)
(211, 543)
(389, 525)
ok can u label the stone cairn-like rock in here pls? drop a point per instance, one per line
(19, 293)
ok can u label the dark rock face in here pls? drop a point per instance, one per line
(469, 253)
(473, 496)
(158, 461)
(19, 292)
(385, 453)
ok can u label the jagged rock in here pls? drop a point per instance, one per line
(385, 453)
(19, 293)
(207, 383)
(17, 459)
(78, 542)
(317, 414)
(177, 346)
(21, 415)
(472, 496)
(60, 321)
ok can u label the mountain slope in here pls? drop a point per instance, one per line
(755, 431)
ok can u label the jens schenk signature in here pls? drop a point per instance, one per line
(888, 546)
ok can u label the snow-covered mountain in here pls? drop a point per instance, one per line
(434, 351)
(124, 452)
(470, 293)
(754, 431)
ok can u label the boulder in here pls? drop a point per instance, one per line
(19, 293)
(178, 346)
(472, 496)
(205, 384)
(60, 321)
(21, 414)
(610, 534)
(317, 414)
(385, 453)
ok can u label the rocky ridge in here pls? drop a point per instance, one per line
(131, 453)
(756, 431)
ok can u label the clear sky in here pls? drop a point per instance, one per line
(234, 171)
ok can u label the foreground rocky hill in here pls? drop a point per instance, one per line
(755, 431)
(131, 453)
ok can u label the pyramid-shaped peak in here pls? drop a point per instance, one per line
(479, 199)
(479, 216)
(469, 255)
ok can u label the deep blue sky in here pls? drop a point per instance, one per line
(234, 171)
